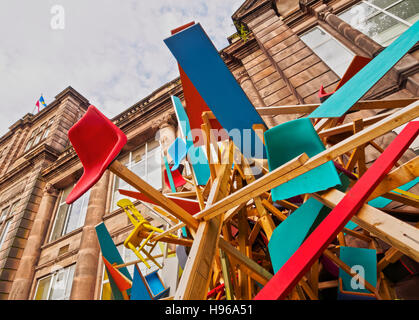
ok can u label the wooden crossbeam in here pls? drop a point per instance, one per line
(360, 105)
(301, 164)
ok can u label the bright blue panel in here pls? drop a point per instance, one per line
(366, 258)
(108, 248)
(139, 289)
(290, 234)
(203, 65)
(177, 152)
(196, 156)
(154, 283)
(381, 202)
(343, 99)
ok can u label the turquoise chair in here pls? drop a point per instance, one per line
(287, 141)
(367, 260)
(177, 152)
(196, 156)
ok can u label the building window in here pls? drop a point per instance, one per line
(146, 163)
(331, 51)
(128, 256)
(69, 217)
(39, 135)
(382, 20)
(56, 286)
(5, 221)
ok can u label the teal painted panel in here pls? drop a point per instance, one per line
(343, 99)
(139, 289)
(290, 234)
(366, 258)
(289, 140)
(177, 152)
(169, 175)
(196, 156)
(381, 202)
(108, 248)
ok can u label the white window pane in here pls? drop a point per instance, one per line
(4, 232)
(69, 283)
(407, 10)
(335, 56)
(60, 219)
(357, 14)
(382, 3)
(77, 213)
(58, 285)
(43, 289)
(315, 37)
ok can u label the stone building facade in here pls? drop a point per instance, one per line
(284, 51)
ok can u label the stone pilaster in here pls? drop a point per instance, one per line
(85, 275)
(24, 276)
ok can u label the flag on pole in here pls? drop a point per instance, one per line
(42, 101)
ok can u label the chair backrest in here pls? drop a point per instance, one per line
(133, 214)
(97, 142)
(287, 141)
(364, 262)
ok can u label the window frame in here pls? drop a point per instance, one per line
(42, 132)
(379, 11)
(53, 276)
(340, 43)
(129, 165)
(69, 207)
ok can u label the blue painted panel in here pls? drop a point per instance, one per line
(177, 152)
(139, 289)
(203, 65)
(343, 99)
(196, 156)
(154, 283)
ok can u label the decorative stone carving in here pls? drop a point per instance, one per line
(50, 189)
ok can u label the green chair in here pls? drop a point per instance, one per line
(287, 141)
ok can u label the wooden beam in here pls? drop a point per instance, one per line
(132, 179)
(254, 270)
(396, 178)
(197, 273)
(360, 105)
(300, 164)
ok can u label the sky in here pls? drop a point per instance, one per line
(110, 51)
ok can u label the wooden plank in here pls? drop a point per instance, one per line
(300, 164)
(360, 105)
(292, 271)
(398, 177)
(132, 179)
(254, 270)
(197, 273)
(227, 275)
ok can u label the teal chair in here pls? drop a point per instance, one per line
(364, 260)
(177, 152)
(287, 141)
(196, 155)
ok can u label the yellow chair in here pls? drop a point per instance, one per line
(136, 236)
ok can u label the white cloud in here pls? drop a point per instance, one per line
(111, 51)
